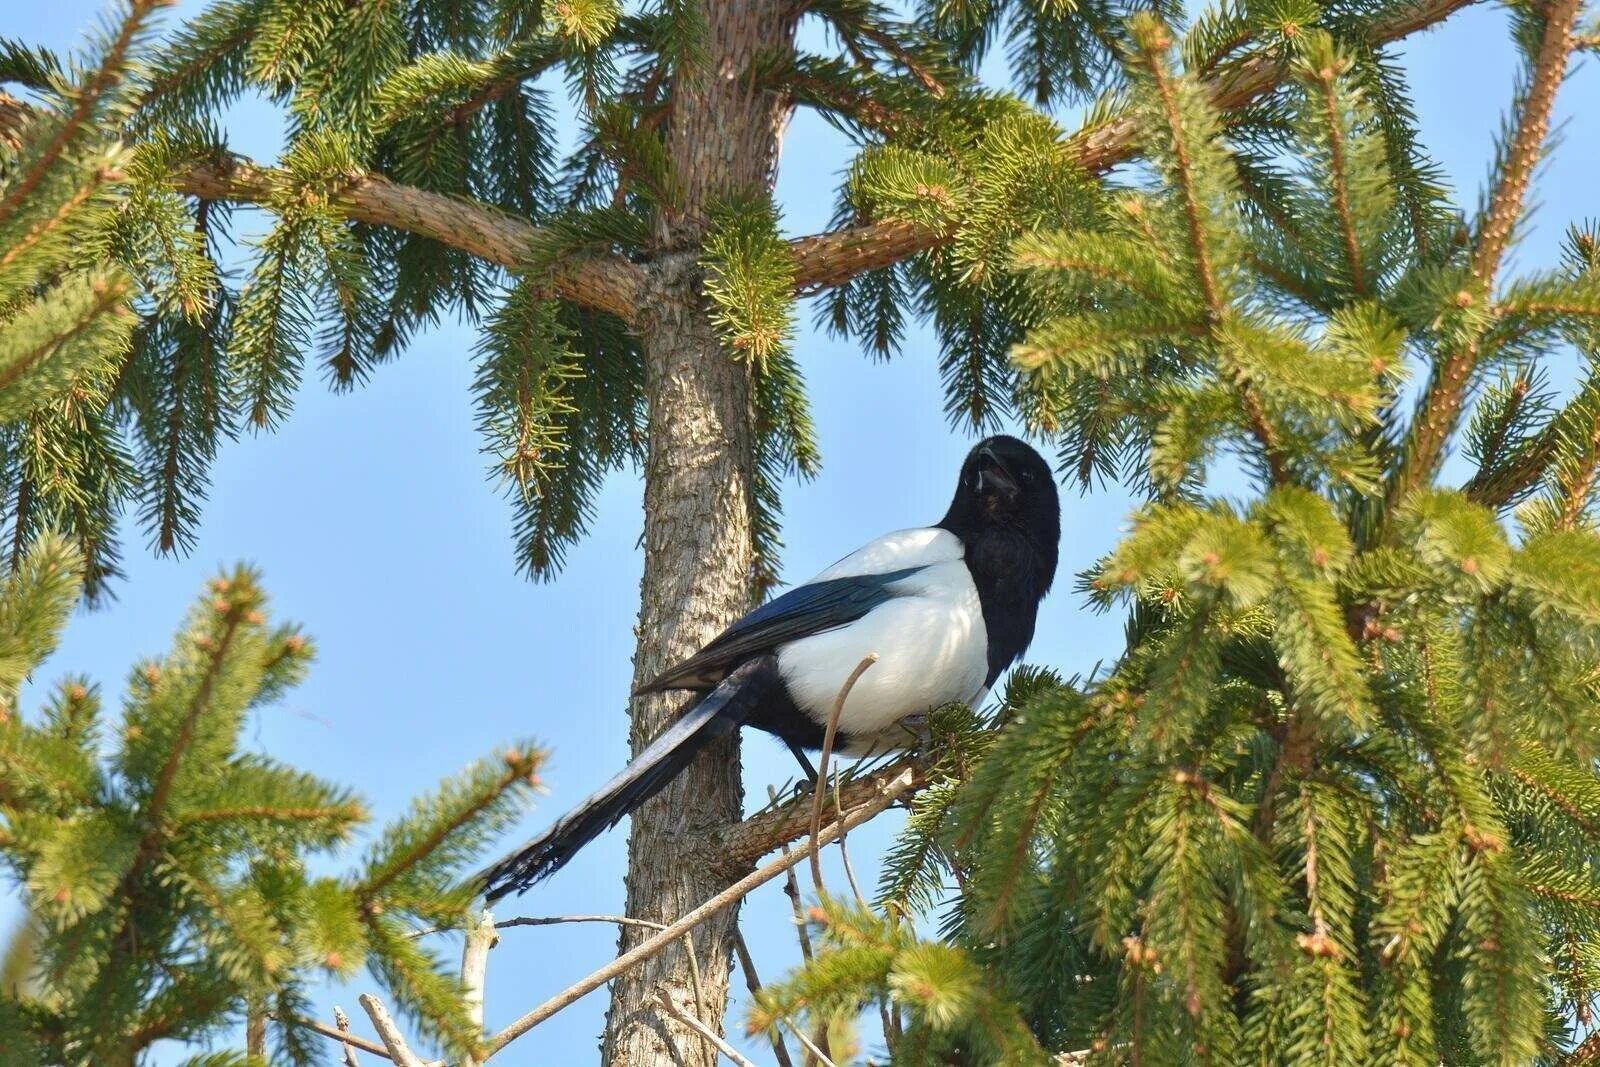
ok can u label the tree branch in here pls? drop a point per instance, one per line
(481, 937)
(1440, 409)
(399, 1051)
(671, 1007)
(109, 72)
(1496, 487)
(155, 809)
(606, 283)
(829, 259)
(1586, 1053)
(349, 1040)
(739, 846)
(520, 766)
(821, 260)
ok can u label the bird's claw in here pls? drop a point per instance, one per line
(920, 728)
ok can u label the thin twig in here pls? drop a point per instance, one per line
(694, 982)
(553, 920)
(396, 1045)
(688, 1019)
(752, 981)
(822, 762)
(811, 1046)
(652, 946)
(890, 1035)
(545, 920)
(791, 889)
(342, 1021)
(618, 920)
(343, 1035)
(844, 851)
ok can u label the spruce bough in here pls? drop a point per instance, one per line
(1329, 685)
(1336, 802)
(175, 882)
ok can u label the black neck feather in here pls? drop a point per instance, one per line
(1012, 568)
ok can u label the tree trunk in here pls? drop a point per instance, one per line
(697, 535)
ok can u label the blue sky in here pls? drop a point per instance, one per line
(372, 521)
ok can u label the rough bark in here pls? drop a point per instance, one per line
(697, 539)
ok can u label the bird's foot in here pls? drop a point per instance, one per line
(805, 765)
(920, 729)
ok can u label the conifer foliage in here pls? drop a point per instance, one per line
(1337, 801)
(172, 878)
(66, 289)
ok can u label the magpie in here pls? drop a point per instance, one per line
(946, 607)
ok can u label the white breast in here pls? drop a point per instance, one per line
(930, 640)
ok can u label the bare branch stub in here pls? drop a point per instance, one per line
(481, 937)
(393, 1042)
(341, 1021)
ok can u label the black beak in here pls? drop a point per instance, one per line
(993, 476)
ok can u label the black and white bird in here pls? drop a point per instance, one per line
(946, 607)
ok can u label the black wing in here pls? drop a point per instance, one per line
(802, 611)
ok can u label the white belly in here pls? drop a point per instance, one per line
(931, 646)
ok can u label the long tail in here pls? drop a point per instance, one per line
(720, 713)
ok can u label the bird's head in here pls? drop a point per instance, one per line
(1006, 484)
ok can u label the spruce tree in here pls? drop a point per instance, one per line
(173, 883)
(171, 877)
(1337, 800)
(638, 296)
(69, 270)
